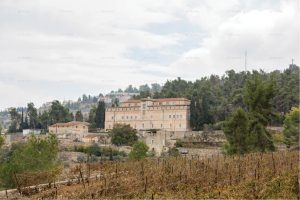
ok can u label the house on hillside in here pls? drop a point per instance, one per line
(74, 129)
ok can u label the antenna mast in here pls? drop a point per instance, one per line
(245, 60)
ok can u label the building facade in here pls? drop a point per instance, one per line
(77, 129)
(171, 114)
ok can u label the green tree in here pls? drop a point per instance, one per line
(33, 116)
(173, 152)
(44, 120)
(15, 121)
(139, 151)
(92, 118)
(1, 141)
(79, 116)
(236, 129)
(100, 115)
(33, 162)
(291, 127)
(257, 97)
(58, 113)
(123, 134)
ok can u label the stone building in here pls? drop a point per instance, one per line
(171, 114)
(75, 129)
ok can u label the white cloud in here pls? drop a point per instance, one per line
(64, 48)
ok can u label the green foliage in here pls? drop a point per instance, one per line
(139, 151)
(236, 130)
(214, 98)
(257, 97)
(291, 127)
(92, 119)
(33, 116)
(178, 143)
(15, 121)
(173, 152)
(123, 134)
(96, 150)
(35, 156)
(247, 131)
(100, 115)
(79, 116)
(1, 141)
(97, 116)
(59, 114)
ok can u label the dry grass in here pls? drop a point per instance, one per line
(269, 175)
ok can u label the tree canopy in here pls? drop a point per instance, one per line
(246, 129)
(213, 98)
(34, 160)
(139, 151)
(79, 116)
(123, 134)
(291, 127)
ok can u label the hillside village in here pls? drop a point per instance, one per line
(150, 125)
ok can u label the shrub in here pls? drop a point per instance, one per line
(139, 151)
(36, 161)
(123, 135)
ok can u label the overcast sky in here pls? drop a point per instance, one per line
(60, 49)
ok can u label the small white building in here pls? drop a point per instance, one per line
(31, 131)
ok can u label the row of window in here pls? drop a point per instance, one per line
(149, 108)
(152, 126)
(68, 126)
(157, 103)
(135, 117)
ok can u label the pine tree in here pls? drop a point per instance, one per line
(100, 115)
(236, 130)
(257, 97)
(79, 116)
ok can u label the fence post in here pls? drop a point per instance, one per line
(273, 161)
(145, 187)
(80, 173)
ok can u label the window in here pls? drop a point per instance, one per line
(76, 126)
(152, 141)
(173, 116)
(122, 117)
(179, 125)
(161, 126)
(170, 116)
(143, 125)
(112, 117)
